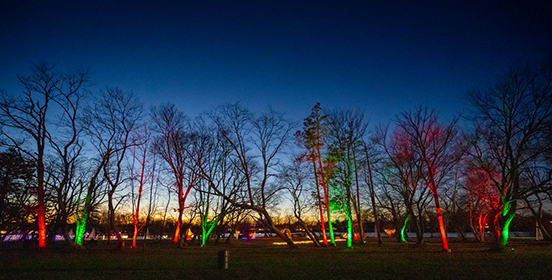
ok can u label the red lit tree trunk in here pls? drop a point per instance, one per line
(179, 234)
(318, 199)
(323, 181)
(170, 143)
(441, 224)
(180, 188)
(142, 161)
(41, 208)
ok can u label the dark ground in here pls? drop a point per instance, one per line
(261, 259)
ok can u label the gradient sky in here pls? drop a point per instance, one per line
(381, 56)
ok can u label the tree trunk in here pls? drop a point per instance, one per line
(538, 217)
(321, 171)
(507, 216)
(112, 227)
(41, 207)
(308, 232)
(274, 229)
(441, 225)
(419, 230)
(357, 204)
(377, 229)
(178, 229)
(324, 237)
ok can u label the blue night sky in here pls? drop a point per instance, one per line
(381, 56)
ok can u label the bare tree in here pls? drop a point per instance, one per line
(513, 117)
(111, 123)
(346, 133)
(30, 116)
(435, 148)
(171, 143)
(369, 181)
(141, 155)
(153, 197)
(210, 156)
(401, 171)
(481, 201)
(256, 143)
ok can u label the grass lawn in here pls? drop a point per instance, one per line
(261, 259)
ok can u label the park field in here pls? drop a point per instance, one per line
(261, 259)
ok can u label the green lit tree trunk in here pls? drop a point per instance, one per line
(507, 216)
(348, 212)
(206, 225)
(403, 234)
(82, 218)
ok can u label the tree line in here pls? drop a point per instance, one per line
(69, 156)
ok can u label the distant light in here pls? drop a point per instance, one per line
(304, 242)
